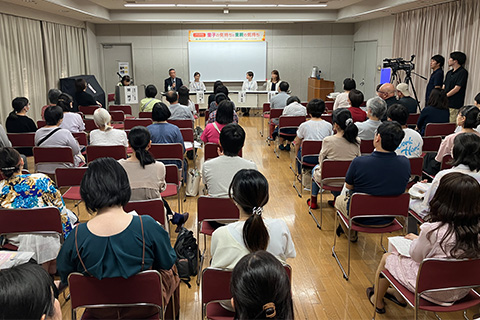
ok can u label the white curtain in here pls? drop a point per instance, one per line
(440, 29)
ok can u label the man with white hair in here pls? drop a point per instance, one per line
(376, 109)
(404, 98)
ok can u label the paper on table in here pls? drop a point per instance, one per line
(9, 259)
(401, 244)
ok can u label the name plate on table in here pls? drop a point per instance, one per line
(242, 97)
(270, 95)
(131, 94)
(200, 97)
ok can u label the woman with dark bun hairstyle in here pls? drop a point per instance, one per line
(261, 288)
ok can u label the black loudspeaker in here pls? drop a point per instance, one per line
(67, 85)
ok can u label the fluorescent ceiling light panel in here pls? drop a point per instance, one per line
(201, 5)
(251, 5)
(302, 5)
(148, 5)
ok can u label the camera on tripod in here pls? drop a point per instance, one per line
(399, 64)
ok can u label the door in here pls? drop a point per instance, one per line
(365, 67)
(113, 54)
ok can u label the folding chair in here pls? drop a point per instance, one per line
(207, 114)
(188, 140)
(287, 122)
(431, 144)
(212, 209)
(274, 114)
(446, 162)
(72, 178)
(413, 119)
(145, 114)
(61, 156)
(182, 124)
(368, 206)
(111, 97)
(439, 129)
(89, 125)
(21, 140)
(440, 275)
(416, 170)
(332, 179)
(126, 109)
(214, 288)
(45, 220)
(130, 123)
(88, 110)
(329, 105)
(210, 151)
(152, 207)
(265, 115)
(116, 152)
(309, 148)
(118, 118)
(366, 146)
(142, 289)
(81, 138)
(327, 117)
(173, 184)
(41, 123)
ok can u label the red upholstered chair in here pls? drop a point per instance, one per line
(118, 117)
(72, 178)
(173, 184)
(130, 123)
(142, 289)
(182, 124)
(46, 220)
(207, 114)
(152, 207)
(19, 140)
(274, 114)
(416, 170)
(56, 155)
(265, 115)
(81, 138)
(364, 205)
(332, 179)
(327, 117)
(111, 97)
(366, 146)
(188, 140)
(210, 151)
(145, 114)
(116, 152)
(127, 110)
(88, 110)
(310, 148)
(431, 144)
(439, 275)
(284, 123)
(329, 105)
(446, 162)
(212, 209)
(439, 129)
(41, 123)
(413, 119)
(89, 125)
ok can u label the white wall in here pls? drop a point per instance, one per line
(293, 49)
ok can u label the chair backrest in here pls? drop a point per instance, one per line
(187, 134)
(366, 146)
(69, 177)
(275, 113)
(116, 152)
(210, 151)
(416, 166)
(41, 123)
(207, 114)
(36, 220)
(431, 144)
(130, 123)
(144, 288)
(365, 205)
(89, 125)
(197, 108)
(327, 117)
(167, 151)
(53, 155)
(290, 122)
(441, 274)
(145, 114)
(81, 138)
(152, 207)
(111, 97)
(117, 116)
(329, 105)
(446, 162)
(212, 208)
(311, 148)
(439, 129)
(88, 109)
(266, 107)
(171, 174)
(182, 124)
(22, 139)
(413, 118)
(334, 171)
(126, 109)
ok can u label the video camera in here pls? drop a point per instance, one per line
(399, 64)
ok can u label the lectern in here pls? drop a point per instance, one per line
(320, 88)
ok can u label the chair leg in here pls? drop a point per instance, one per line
(201, 255)
(319, 225)
(263, 125)
(381, 244)
(334, 254)
(275, 147)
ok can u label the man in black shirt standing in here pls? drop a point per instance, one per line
(456, 83)
(436, 78)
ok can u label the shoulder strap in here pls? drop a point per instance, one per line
(216, 127)
(47, 136)
(149, 102)
(143, 243)
(78, 252)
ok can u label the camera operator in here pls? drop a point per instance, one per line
(405, 99)
(455, 83)
(436, 78)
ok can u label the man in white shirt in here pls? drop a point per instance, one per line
(218, 172)
(178, 111)
(376, 108)
(412, 143)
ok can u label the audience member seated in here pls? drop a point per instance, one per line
(53, 136)
(27, 292)
(184, 99)
(18, 122)
(29, 191)
(220, 95)
(476, 103)
(82, 97)
(223, 116)
(219, 98)
(218, 172)
(261, 288)
(293, 108)
(387, 93)
(373, 174)
(344, 145)
(4, 141)
(436, 110)
(178, 111)
(279, 101)
(114, 243)
(147, 176)
(211, 97)
(412, 143)
(451, 232)
(405, 99)
(341, 101)
(355, 98)
(468, 119)
(106, 135)
(73, 122)
(147, 103)
(249, 191)
(163, 132)
(466, 160)
(53, 95)
(314, 129)
(376, 109)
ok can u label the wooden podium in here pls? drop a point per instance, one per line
(319, 89)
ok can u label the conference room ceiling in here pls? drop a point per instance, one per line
(214, 11)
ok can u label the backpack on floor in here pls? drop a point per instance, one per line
(186, 249)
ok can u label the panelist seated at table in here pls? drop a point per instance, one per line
(197, 84)
(172, 83)
(274, 82)
(249, 85)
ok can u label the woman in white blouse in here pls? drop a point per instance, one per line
(341, 101)
(274, 82)
(249, 85)
(197, 85)
(106, 135)
(73, 122)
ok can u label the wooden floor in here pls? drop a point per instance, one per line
(319, 290)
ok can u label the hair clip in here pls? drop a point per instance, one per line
(257, 210)
(348, 121)
(9, 168)
(269, 309)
